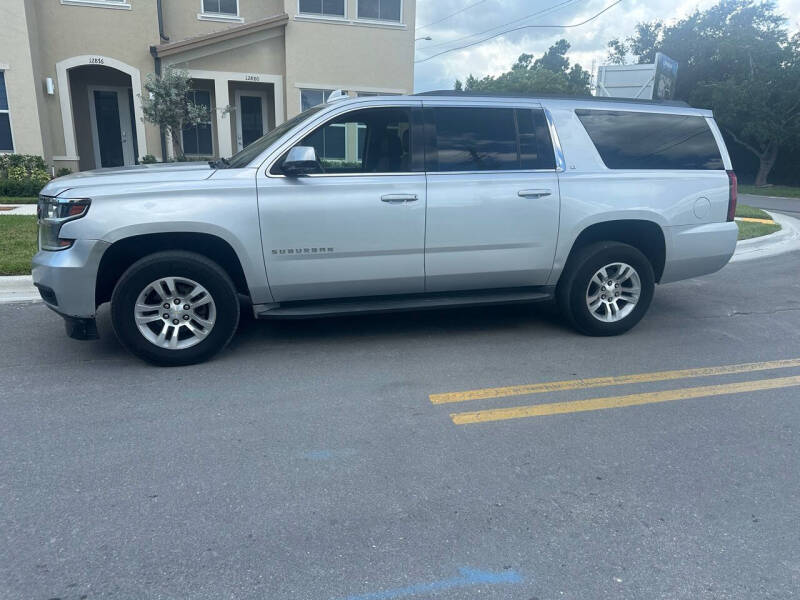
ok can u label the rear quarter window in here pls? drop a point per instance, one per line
(639, 140)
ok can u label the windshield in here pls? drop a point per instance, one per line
(248, 154)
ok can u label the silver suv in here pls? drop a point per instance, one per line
(395, 203)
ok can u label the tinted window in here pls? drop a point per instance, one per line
(489, 139)
(372, 140)
(535, 145)
(637, 140)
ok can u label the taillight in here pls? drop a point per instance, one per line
(733, 195)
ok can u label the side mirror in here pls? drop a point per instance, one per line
(300, 161)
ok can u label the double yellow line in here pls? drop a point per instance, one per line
(501, 414)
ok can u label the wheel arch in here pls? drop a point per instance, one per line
(645, 235)
(125, 251)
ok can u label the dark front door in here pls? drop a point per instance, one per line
(252, 119)
(109, 134)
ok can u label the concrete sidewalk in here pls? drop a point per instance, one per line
(20, 288)
(18, 209)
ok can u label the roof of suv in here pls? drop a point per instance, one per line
(456, 94)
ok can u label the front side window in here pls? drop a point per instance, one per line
(309, 98)
(371, 140)
(380, 10)
(323, 8)
(6, 142)
(221, 7)
(197, 138)
(488, 139)
(640, 140)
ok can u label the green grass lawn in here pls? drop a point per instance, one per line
(784, 191)
(742, 210)
(18, 244)
(753, 230)
(17, 200)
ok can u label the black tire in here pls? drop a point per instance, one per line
(574, 284)
(179, 264)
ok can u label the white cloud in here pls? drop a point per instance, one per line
(498, 54)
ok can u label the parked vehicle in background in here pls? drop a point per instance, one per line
(394, 203)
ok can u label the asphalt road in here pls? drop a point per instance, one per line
(790, 206)
(308, 461)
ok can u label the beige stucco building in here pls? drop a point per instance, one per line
(72, 71)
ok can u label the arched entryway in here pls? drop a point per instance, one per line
(101, 111)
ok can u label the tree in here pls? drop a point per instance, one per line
(737, 59)
(549, 74)
(167, 105)
(617, 52)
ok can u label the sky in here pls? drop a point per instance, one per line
(497, 55)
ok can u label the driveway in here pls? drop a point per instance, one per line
(342, 458)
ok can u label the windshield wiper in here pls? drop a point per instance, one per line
(215, 164)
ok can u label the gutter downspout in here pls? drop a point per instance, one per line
(164, 37)
(157, 67)
(157, 64)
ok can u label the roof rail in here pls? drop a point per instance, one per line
(554, 97)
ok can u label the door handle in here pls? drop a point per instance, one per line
(399, 198)
(533, 193)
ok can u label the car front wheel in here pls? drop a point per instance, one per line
(175, 308)
(606, 288)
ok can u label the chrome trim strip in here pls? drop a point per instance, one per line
(561, 162)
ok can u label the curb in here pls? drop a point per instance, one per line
(19, 288)
(780, 242)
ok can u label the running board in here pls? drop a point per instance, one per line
(380, 304)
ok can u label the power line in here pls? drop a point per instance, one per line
(518, 20)
(458, 12)
(486, 39)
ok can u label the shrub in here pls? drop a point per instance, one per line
(63, 171)
(148, 159)
(22, 174)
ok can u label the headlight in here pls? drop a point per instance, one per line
(52, 214)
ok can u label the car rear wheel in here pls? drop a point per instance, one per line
(175, 308)
(606, 288)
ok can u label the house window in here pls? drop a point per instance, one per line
(309, 98)
(380, 10)
(197, 138)
(323, 8)
(228, 8)
(6, 143)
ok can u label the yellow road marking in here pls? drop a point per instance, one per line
(753, 220)
(558, 408)
(582, 384)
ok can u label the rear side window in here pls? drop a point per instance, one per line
(638, 140)
(487, 139)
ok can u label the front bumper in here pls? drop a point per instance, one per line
(66, 279)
